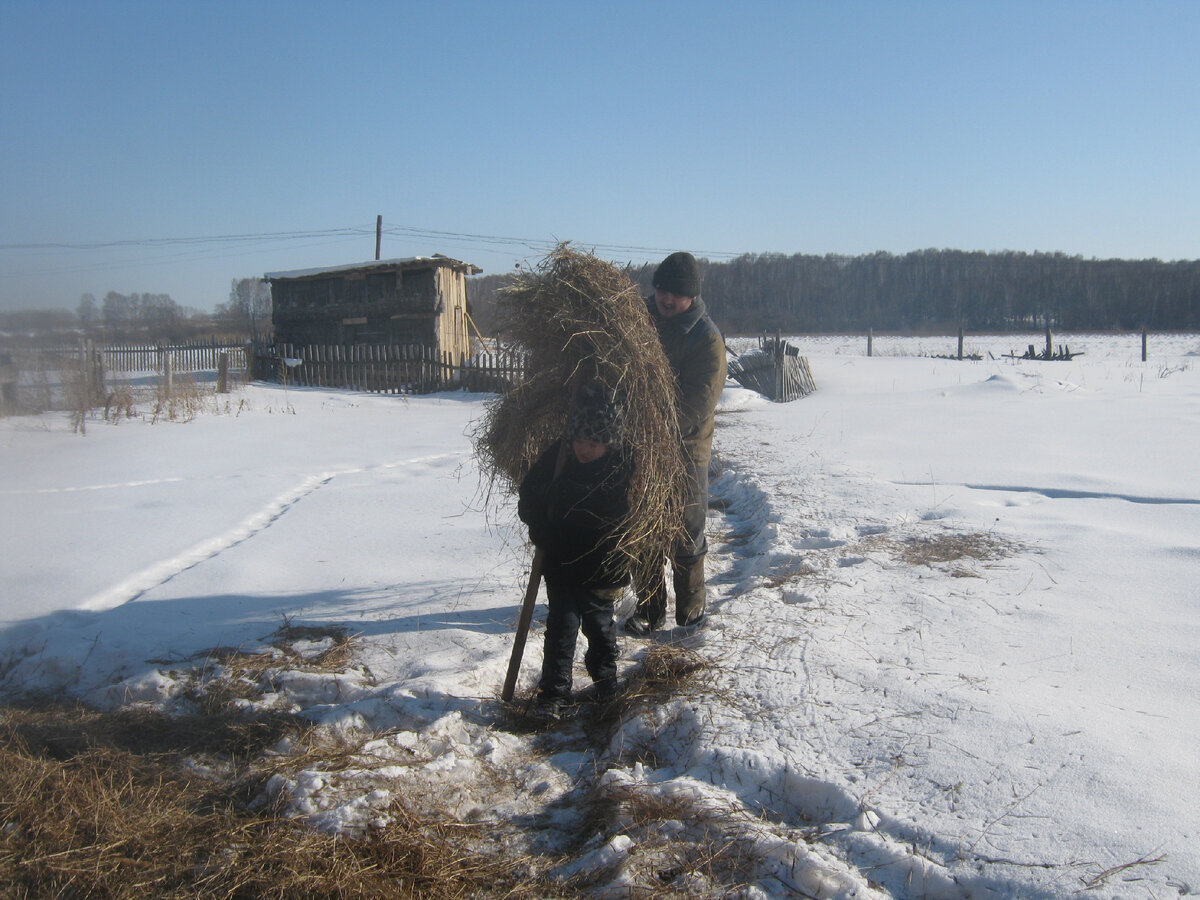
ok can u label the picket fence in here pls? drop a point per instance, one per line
(385, 368)
(190, 356)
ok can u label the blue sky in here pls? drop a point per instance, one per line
(223, 140)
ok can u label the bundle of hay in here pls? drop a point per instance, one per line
(578, 319)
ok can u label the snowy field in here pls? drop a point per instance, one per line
(955, 621)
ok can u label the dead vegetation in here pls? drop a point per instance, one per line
(223, 675)
(667, 670)
(580, 319)
(141, 804)
(114, 812)
(137, 803)
(177, 399)
(949, 548)
(684, 849)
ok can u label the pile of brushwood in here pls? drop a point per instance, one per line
(579, 319)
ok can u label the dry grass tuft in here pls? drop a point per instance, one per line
(787, 573)
(103, 806)
(684, 848)
(121, 403)
(63, 732)
(668, 670)
(579, 318)
(178, 399)
(227, 674)
(946, 548)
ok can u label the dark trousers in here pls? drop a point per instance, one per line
(572, 609)
(687, 560)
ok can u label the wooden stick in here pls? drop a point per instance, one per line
(531, 592)
(518, 650)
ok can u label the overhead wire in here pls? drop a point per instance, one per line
(467, 238)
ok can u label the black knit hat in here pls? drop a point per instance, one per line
(679, 273)
(596, 415)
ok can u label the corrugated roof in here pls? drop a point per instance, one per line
(377, 265)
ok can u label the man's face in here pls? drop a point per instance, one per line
(671, 304)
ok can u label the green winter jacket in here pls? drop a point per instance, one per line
(696, 351)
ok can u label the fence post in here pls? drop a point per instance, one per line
(870, 340)
(1143, 345)
(1049, 344)
(91, 373)
(223, 372)
(960, 343)
(101, 375)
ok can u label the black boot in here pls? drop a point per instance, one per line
(690, 593)
(650, 585)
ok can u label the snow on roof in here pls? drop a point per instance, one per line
(411, 262)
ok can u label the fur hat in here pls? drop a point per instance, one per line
(596, 415)
(679, 273)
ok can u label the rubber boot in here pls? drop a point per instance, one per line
(690, 593)
(650, 585)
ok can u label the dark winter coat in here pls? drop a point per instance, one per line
(575, 517)
(696, 351)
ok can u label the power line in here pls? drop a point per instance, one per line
(206, 239)
(534, 244)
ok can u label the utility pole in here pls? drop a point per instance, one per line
(378, 234)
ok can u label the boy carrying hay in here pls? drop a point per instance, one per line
(575, 500)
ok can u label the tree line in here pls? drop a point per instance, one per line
(147, 318)
(928, 291)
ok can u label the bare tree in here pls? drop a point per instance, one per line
(249, 307)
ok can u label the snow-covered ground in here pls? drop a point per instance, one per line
(955, 629)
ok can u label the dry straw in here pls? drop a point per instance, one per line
(578, 318)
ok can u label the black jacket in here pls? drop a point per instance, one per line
(576, 517)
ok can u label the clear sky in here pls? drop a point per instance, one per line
(171, 148)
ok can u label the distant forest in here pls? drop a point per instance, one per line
(925, 292)
(928, 292)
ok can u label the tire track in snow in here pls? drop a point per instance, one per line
(161, 572)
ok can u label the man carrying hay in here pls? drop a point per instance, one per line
(696, 352)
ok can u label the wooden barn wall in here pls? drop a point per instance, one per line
(453, 335)
(396, 307)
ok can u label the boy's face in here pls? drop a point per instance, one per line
(588, 451)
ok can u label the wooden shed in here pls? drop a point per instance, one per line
(422, 300)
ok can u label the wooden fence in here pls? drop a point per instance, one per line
(776, 370)
(41, 378)
(192, 356)
(385, 368)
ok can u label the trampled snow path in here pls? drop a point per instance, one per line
(787, 826)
